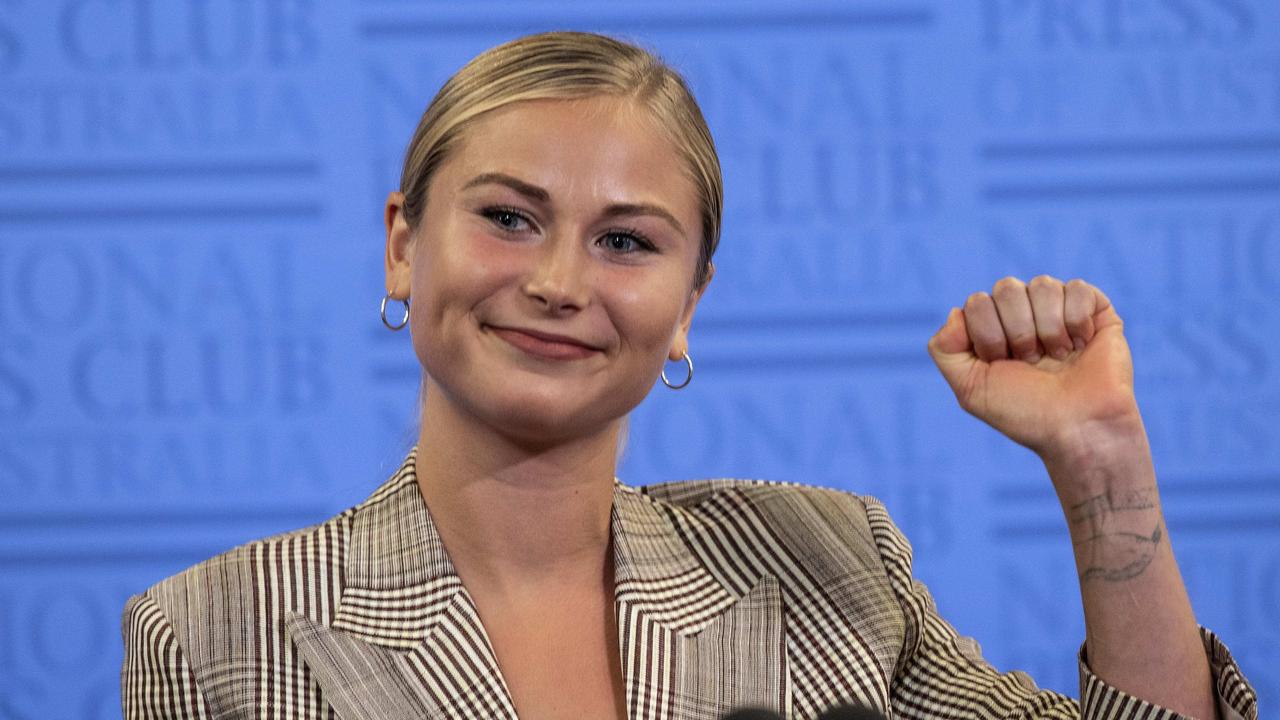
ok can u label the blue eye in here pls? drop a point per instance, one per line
(505, 218)
(626, 242)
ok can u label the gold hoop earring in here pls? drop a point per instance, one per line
(687, 361)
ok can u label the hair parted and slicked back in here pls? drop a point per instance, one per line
(568, 65)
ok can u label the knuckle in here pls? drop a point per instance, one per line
(1007, 281)
(1023, 345)
(988, 352)
(975, 299)
(990, 342)
(1057, 341)
(1022, 339)
(1044, 281)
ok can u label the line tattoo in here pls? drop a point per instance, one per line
(1111, 547)
(1119, 556)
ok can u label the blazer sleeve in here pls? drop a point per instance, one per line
(942, 674)
(156, 681)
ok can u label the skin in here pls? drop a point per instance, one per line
(518, 451)
(1046, 363)
(518, 448)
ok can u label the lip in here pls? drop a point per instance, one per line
(545, 345)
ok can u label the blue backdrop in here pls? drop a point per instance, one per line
(191, 263)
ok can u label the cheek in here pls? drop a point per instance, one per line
(457, 275)
(487, 261)
(452, 276)
(647, 316)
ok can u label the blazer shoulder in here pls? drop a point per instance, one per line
(299, 551)
(218, 609)
(825, 528)
(821, 544)
(234, 587)
(695, 495)
(324, 538)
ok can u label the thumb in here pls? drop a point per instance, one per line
(952, 351)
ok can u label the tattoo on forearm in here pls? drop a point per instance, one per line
(1108, 503)
(1110, 545)
(1119, 556)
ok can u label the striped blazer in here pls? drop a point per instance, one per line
(728, 594)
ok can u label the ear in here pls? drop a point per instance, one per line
(680, 345)
(399, 247)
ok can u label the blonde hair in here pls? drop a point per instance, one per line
(568, 65)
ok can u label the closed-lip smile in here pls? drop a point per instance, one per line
(545, 345)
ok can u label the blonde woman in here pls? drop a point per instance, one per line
(553, 233)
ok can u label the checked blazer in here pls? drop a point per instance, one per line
(728, 594)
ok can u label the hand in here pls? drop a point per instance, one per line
(1045, 363)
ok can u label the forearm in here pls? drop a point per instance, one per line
(1141, 635)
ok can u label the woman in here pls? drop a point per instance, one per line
(558, 212)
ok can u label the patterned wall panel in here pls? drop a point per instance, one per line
(191, 262)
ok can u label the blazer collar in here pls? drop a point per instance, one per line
(406, 639)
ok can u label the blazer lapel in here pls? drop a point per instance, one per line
(450, 674)
(694, 645)
(406, 641)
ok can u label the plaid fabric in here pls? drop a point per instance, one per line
(729, 594)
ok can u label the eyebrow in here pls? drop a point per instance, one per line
(533, 192)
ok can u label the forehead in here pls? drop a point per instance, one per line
(601, 148)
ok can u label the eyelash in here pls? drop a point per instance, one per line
(641, 240)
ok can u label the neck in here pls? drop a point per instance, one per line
(511, 516)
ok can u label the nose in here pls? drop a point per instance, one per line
(557, 279)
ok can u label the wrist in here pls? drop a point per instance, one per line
(1097, 457)
(1112, 508)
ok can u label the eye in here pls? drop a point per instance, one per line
(625, 242)
(505, 218)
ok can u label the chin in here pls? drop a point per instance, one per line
(537, 427)
(550, 415)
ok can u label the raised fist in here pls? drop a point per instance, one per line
(1046, 363)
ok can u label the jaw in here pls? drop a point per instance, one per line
(529, 414)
